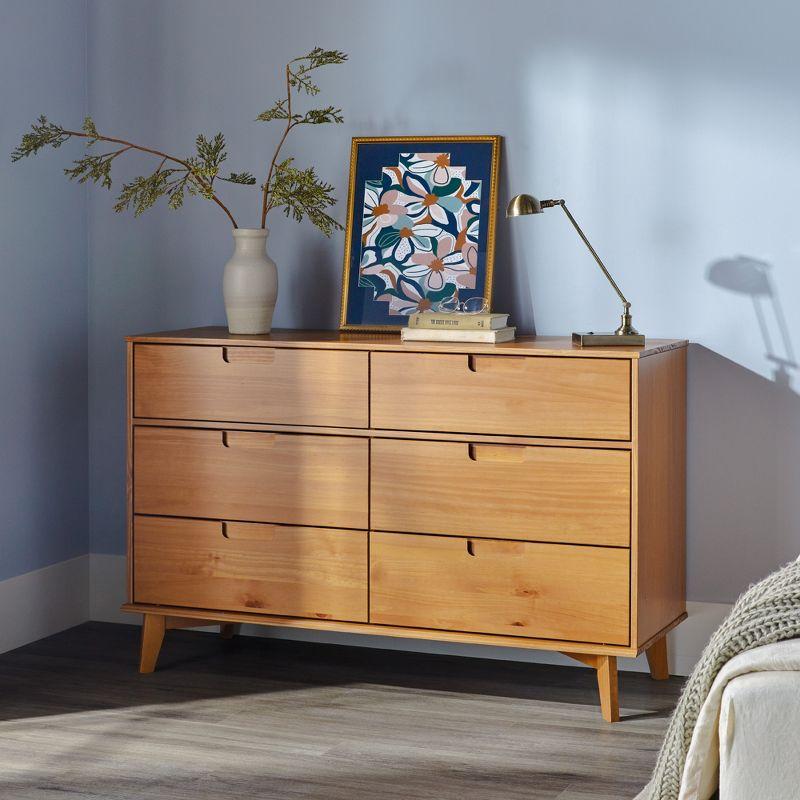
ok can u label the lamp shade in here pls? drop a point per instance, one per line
(523, 204)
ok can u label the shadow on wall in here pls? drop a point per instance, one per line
(743, 450)
(749, 276)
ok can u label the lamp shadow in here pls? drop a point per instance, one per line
(751, 277)
(743, 449)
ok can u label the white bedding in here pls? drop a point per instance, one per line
(759, 737)
(757, 750)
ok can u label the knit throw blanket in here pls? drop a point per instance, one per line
(767, 612)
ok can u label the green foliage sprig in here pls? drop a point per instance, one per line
(300, 192)
(314, 196)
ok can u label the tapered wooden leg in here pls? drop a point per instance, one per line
(229, 629)
(606, 667)
(152, 638)
(657, 660)
(607, 684)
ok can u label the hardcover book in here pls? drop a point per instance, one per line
(473, 322)
(458, 335)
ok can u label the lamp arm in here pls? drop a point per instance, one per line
(591, 249)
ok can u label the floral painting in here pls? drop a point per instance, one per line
(418, 233)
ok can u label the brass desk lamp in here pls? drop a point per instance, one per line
(626, 334)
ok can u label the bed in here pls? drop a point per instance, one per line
(746, 742)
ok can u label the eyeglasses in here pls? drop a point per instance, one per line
(472, 305)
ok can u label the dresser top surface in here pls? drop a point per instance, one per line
(521, 346)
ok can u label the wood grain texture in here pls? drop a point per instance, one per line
(563, 397)
(129, 392)
(261, 477)
(660, 496)
(607, 684)
(490, 586)
(208, 616)
(550, 443)
(384, 433)
(271, 719)
(296, 571)
(153, 627)
(553, 494)
(333, 340)
(252, 384)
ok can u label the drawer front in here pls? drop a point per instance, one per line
(555, 494)
(546, 591)
(582, 398)
(295, 479)
(239, 566)
(252, 384)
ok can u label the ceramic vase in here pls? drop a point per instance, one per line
(250, 283)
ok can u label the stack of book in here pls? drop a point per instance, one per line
(437, 327)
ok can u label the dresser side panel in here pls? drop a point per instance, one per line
(660, 518)
(129, 467)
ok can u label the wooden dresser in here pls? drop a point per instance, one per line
(529, 494)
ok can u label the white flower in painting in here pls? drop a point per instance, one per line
(379, 212)
(435, 167)
(402, 242)
(434, 270)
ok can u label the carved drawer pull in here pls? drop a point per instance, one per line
(248, 355)
(249, 439)
(515, 364)
(507, 453)
(248, 531)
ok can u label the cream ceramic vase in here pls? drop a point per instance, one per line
(250, 283)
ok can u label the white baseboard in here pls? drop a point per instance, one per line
(43, 602)
(686, 642)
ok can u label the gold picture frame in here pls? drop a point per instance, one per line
(484, 268)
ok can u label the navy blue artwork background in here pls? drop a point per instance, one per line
(371, 158)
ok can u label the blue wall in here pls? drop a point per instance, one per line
(43, 295)
(672, 129)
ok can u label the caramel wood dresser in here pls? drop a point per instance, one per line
(528, 494)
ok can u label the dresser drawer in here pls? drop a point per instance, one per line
(581, 398)
(546, 591)
(251, 384)
(555, 494)
(296, 479)
(240, 566)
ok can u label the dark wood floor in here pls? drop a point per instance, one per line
(257, 718)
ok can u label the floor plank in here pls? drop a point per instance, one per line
(260, 718)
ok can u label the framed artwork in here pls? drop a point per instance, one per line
(420, 226)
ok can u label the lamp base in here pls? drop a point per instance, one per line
(592, 339)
